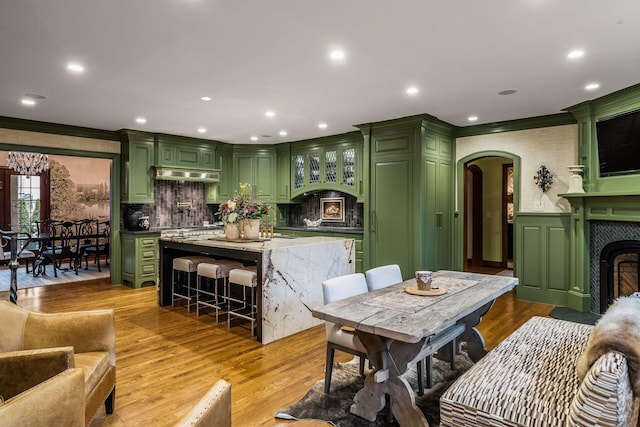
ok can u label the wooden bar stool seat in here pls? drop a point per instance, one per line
(181, 289)
(240, 308)
(208, 277)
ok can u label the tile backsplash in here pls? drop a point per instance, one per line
(177, 204)
(309, 208)
(182, 204)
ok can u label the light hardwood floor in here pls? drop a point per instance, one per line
(168, 358)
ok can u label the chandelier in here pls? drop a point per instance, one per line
(28, 163)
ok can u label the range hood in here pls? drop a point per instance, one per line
(193, 175)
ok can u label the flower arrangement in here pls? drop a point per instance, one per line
(543, 178)
(254, 210)
(229, 211)
(242, 206)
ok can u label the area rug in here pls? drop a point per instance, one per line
(565, 313)
(346, 381)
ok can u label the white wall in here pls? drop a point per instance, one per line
(555, 147)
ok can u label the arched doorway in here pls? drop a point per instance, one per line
(488, 199)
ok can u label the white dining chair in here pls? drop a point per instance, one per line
(383, 276)
(387, 275)
(338, 338)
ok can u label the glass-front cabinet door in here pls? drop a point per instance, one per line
(331, 166)
(314, 168)
(298, 171)
(327, 167)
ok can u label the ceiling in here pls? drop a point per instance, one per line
(156, 59)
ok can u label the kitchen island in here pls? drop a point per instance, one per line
(292, 271)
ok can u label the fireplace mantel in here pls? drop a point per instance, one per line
(601, 206)
(585, 208)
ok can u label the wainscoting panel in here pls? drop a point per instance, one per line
(542, 257)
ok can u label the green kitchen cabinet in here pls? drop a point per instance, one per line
(222, 191)
(408, 220)
(186, 153)
(139, 259)
(283, 173)
(256, 166)
(137, 150)
(330, 163)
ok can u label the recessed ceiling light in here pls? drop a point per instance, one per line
(202, 130)
(141, 120)
(34, 96)
(337, 55)
(592, 86)
(283, 133)
(574, 54)
(411, 90)
(322, 125)
(472, 118)
(75, 67)
(29, 102)
(507, 92)
(254, 138)
(270, 113)
(205, 98)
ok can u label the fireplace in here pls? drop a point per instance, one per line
(615, 252)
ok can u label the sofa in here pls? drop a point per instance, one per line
(91, 334)
(40, 388)
(552, 372)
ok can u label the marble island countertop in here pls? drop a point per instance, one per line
(218, 241)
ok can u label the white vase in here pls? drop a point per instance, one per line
(232, 230)
(575, 180)
(251, 228)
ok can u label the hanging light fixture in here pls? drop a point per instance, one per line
(28, 163)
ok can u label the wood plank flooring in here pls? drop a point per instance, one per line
(168, 358)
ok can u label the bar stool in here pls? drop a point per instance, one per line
(182, 265)
(247, 278)
(208, 296)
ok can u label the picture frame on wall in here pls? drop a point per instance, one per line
(332, 209)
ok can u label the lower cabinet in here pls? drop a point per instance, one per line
(140, 259)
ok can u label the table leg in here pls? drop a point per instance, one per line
(475, 343)
(390, 360)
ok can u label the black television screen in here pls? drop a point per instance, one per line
(619, 144)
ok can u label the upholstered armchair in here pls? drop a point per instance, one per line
(213, 409)
(90, 333)
(41, 387)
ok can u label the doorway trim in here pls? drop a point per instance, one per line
(116, 257)
(459, 256)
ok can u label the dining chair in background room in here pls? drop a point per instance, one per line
(339, 338)
(387, 275)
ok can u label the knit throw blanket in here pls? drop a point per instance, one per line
(617, 330)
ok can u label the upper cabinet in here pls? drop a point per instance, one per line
(223, 190)
(332, 163)
(137, 166)
(283, 173)
(256, 165)
(188, 153)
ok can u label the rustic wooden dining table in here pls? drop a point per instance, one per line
(398, 328)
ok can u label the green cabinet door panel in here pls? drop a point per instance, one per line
(392, 214)
(258, 169)
(542, 257)
(137, 172)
